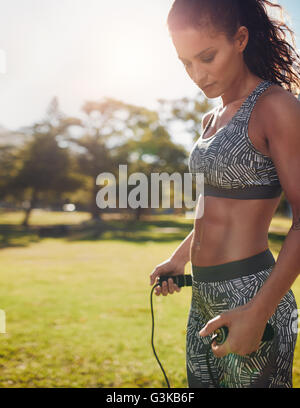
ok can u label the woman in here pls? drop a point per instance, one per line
(249, 153)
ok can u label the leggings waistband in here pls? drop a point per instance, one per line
(234, 269)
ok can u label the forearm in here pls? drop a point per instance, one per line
(182, 254)
(284, 273)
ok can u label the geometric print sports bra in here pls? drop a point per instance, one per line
(231, 165)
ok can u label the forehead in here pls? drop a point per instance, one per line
(191, 41)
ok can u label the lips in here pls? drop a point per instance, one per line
(207, 86)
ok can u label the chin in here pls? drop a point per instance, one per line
(211, 94)
(211, 91)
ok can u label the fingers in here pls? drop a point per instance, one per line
(167, 288)
(213, 325)
(230, 347)
(153, 277)
(221, 350)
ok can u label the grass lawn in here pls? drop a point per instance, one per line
(78, 308)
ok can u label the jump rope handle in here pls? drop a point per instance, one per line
(220, 335)
(179, 280)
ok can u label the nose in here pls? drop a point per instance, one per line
(199, 77)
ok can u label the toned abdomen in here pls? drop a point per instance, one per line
(231, 230)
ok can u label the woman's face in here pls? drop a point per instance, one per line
(210, 58)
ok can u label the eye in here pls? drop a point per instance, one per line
(207, 60)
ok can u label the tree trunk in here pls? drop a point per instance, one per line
(29, 209)
(138, 213)
(94, 209)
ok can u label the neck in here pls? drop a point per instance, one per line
(239, 89)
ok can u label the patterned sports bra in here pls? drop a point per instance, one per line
(231, 165)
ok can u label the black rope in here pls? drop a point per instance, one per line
(216, 384)
(220, 336)
(152, 336)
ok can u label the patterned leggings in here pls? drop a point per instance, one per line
(268, 367)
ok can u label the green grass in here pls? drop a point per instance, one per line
(43, 217)
(78, 308)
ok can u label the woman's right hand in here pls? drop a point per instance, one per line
(168, 267)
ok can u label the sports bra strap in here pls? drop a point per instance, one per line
(244, 112)
(250, 102)
(210, 121)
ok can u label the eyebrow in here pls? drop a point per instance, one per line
(198, 55)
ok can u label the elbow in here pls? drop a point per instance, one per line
(296, 215)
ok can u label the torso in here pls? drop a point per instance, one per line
(235, 229)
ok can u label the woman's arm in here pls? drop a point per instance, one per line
(247, 323)
(174, 265)
(284, 273)
(282, 131)
(182, 254)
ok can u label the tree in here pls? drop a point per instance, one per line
(148, 148)
(155, 152)
(8, 169)
(119, 133)
(45, 170)
(100, 124)
(187, 111)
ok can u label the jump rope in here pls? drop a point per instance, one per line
(219, 335)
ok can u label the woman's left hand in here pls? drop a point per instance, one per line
(246, 328)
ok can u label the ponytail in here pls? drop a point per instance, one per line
(268, 54)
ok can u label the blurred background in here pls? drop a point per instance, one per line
(86, 86)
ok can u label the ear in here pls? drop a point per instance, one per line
(241, 38)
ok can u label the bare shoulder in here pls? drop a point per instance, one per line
(279, 115)
(278, 108)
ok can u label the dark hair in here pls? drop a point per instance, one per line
(268, 53)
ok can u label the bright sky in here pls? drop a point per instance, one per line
(81, 50)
